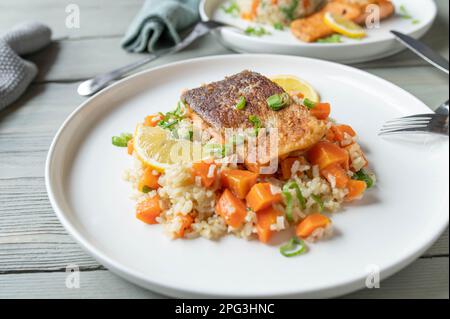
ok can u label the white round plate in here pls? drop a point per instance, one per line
(394, 224)
(378, 44)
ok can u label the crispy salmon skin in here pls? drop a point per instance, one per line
(215, 104)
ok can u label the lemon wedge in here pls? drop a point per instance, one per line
(155, 148)
(344, 26)
(291, 83)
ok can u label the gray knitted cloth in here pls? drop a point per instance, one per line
(16, 73)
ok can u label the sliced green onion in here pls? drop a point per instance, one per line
(363, 176)
(308, 103)
(232, 9)
(241, 104)
(278, 26)
(146, 189)
(335, 38)
(122, 140)
(289, 11)
(288, 200)
(319, 201)
(404, 13)
(257, 32)
(278, 101)
(288, 196)
(293, 248)
(256, 122)
(216, 149)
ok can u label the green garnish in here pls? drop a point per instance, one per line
(256, 122)
(293, 248)
(257, 32)
(146, 189)
(232, 9)
(404, 13)
(241, 104)
(308, 103)
(170, 119)
(218, 150)
(363, 176)
(278, 26)
(335, 38)
(289, 11)
(288, 196)
(319, 201)
(122, 140)
(278, 101)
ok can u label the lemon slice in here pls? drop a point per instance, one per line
(291, 83)
(155, 148)
(344, 26)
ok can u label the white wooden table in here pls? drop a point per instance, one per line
(34, 247)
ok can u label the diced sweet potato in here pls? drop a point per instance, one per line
(238, 181)
(325, 154)
(232, 209)
(264, 219)
(261, 197)
(148, 210)
(338, 174)
(307, 226)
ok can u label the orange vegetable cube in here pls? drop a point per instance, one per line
(148, 210)
(261, 197)
(264, 219)
(341, 130)
(130, 147)
(338, 173)
(307, 226)
(232, 209)
(325, 154)
(206, 171)
(286, 166)
(321, 111)
(153, 120)
(356, 189)
(186, 222)
(238, 181)
(149, 179)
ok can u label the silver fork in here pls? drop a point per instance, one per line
(420, 123)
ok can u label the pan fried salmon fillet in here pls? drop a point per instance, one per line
(215, 104)
(312, 28)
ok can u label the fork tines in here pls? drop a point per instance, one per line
(426, 123)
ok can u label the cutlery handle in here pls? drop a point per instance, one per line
(99, 82)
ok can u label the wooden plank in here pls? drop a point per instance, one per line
(97, 17)
(72, 60)
(426, 278)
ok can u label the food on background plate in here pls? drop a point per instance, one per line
(220, 189)
(312, 20)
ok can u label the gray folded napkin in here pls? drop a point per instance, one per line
(16, 73)
(160, 21)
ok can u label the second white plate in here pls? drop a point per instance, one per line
(378, 44)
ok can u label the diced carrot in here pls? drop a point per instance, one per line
(307, 226)
(148, 210)
(341, 130)
(149, 179)
(186, 222)
(355, 189)
(206, 171)
(325, 153)
(153, 120)
(338, 173)
(261, 197)
(255, 5)
(232, 209)
(130, 147)
(264, 219)
(321, 111)
(238, 181)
